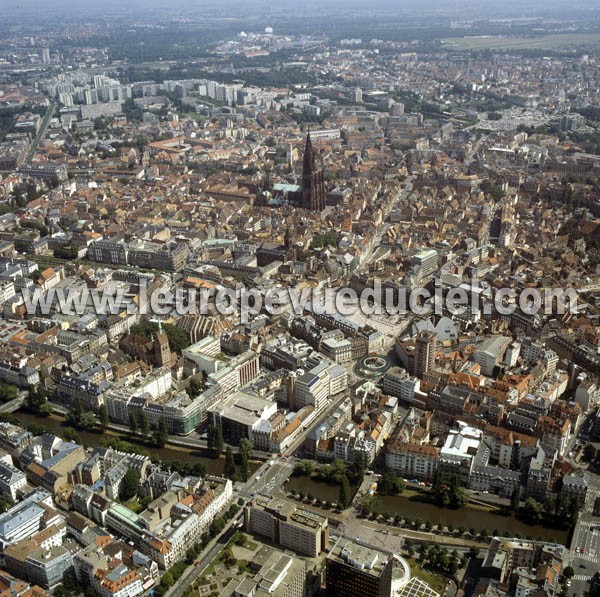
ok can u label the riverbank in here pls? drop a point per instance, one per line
(173, 452)
(415, 505)
(472, 516)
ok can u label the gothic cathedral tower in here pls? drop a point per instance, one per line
(313, 186)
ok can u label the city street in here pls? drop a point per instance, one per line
(40, 133)
(212, 551)
(585, 550)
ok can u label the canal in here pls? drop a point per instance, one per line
(318, 489)
(414, 507)
(469, 517)
(92, 438)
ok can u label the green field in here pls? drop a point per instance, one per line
(540, 42)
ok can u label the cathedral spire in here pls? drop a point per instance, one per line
(309, 156)
(313, 187)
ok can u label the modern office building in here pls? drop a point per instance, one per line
(355, 568)
(303, 531)
(425, 263)
(490, 353)
(277, 574)
(240, 414)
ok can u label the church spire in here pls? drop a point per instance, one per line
(309, 157)
(313, 187)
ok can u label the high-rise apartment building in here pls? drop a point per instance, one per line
(425, 349)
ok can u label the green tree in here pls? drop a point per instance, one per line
(80, 419)
(178, 338)
(195, 387)
(8, 392)
(162, 434)
(103, 417)
(556, 504)
(438, 491)
(568, 572)
(246, 447)
(31, 400)
(457, 495)
(245, 450)
(473, 552)
(229, 470)
(60, 591)
(367, 504)
(589, 453)
(515, 498)
(357, 469)
(132, 422)
(390, 484)
(167, 579)
(215, 441)
(5, 502)
(36, 396)
(70, 435)
(144, 427)
(531, 511)
(77, 408)
(46, 409)
(87, 420)
(129, 485)
(344, 494)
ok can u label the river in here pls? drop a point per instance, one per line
(317, 489)
(468, 517)
(55, 424)
(413, 508)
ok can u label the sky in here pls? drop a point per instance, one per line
(460, 8)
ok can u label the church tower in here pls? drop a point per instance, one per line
(313, 185)
(162, 349)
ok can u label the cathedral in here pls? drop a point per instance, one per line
(313, 185)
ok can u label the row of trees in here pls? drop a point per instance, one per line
(157, 438)
(36, 401)
(368, 508)
(173, 574)
(80, 419)
(8, 392)
(333, 473)
(554, 512)
(230, 470)
(337, 473)
(440, 559)
(185, 469)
